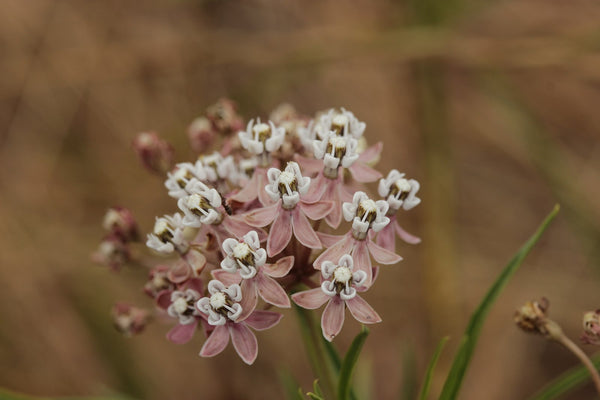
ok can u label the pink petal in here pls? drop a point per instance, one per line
(386, 238)
(303, 230)
(334, 218)
(371, 154)
(180, 272)
(407, 237)
(332, 319)
(248, 192)
(316, 190)
(281, 267)
(363, 173)
(244, 342)
(181, 334)
(249, 299)
(163, 299)
(236, 226)
(228, 278)
(216, 342)
(362, 311)
(271, 291)
(261, 320)
(310, 299)
(362, 260)
(318, 210)
(262, 216)
(329, 240)
(195, 284)
(309, 166)
(346, 193)
(263, 196)
(382, 255)
(334, 253)
(280, 233)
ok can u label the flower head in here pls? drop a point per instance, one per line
(154, 153)
(182, 178)
(365, 214)
(200, 207)
(182, 306)
(244, 256)
(335, 151)
(341, 279)
(167, 234)
(223, 304)
(399, 191)
(260, 137)
(216, 167)
(342, 123)
(288, 184)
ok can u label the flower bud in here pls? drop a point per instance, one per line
(591, 327)
(112, 252)
(119, 221)
(201, 134)
(154, 153)
(224, 116)
(129, 320)
(531, 317)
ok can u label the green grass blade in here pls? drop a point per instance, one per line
(349, 363)
(463, 356)
(569, 380)
(431, 368)
(290, 385)
(409, 376)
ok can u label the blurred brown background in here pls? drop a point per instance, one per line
(493, 106)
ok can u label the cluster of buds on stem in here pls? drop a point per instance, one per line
(257, 221)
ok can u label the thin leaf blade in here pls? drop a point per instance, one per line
(349, 363)
(431, 368)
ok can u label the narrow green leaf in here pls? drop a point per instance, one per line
(463, 356)
(314, 396)
(333, 355)
(569, 380)
(349, 362)
(290, 386)
(431, 367)
(409, 376)
(317, 388)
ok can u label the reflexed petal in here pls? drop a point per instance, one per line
(261, 320)
(334, 253)
(262, 216)
(372, 154)
(362, 311)
(216, 342)
(244, 342)
(249, 299)
(407, 237)
(310, 166)
(263, 196)
(362, 260)
(195, 284)
(329, 240)
(228, 278)
(316, 190)
(310, 299)
(271, 291)
(196, 260)
(303, 230)
(386, 238)
(334, 218)
(382, 255)
(318, 210)
(181, 334)
(163, 299)
(237, 227)
(281, 267)
(332, 319)
(248, 192)
(280, 233)
(363, 173)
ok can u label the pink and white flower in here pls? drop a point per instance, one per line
(260, 138)
(399, 192)
(167, 235)
(182, 178)
(290, 211)
(339, 289)
(224, 309)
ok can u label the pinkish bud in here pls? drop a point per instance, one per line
(201, 134)
(224, 116)
(532, 316)
(158, 280)
(119, 221)
(129, 320)
(591, 327)
(154, 153)
(112, 252)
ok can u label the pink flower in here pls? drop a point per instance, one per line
(339, 289)
(120, 221)
(155, 154)
(367, 217)
(128, 319)
(201, 134)
(289, 213)
(245, 262)
(399, 193)
(224, 308)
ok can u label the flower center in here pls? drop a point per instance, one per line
(163, 230)
(261, 132)
(180, 305)
(338, 124)
(198, 204)
(336, 147)
(287, 183)
(342, 275)
(400, 189)
(182, 177)
(367, 210)
(218, 301)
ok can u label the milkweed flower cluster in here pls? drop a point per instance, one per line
(259, 222)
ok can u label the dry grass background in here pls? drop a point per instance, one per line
(492, 105)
